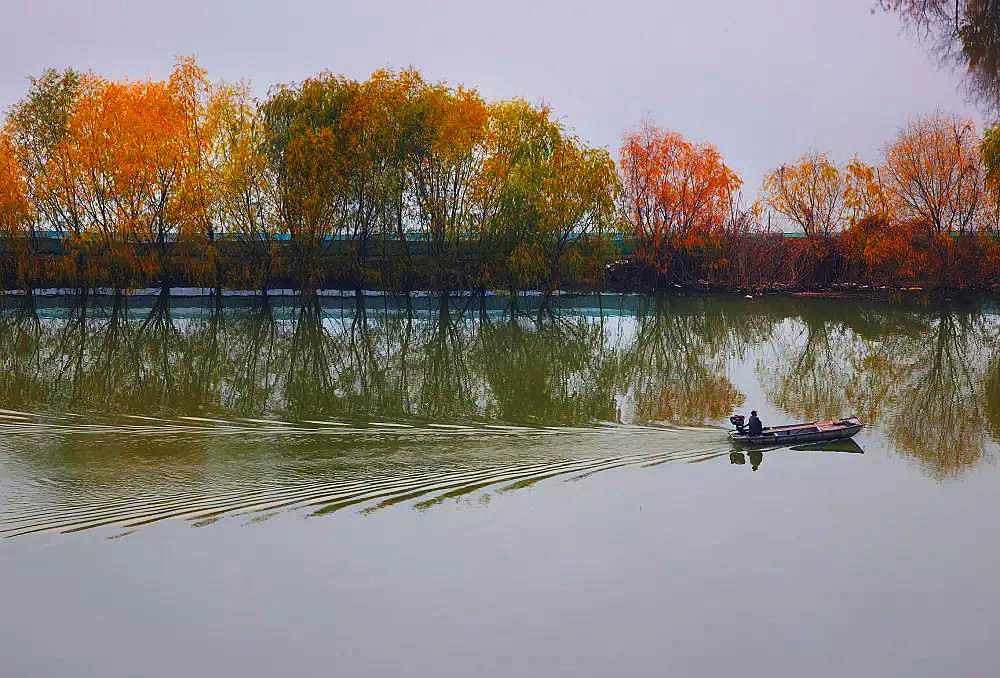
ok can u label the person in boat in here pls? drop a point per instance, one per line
(755, 426)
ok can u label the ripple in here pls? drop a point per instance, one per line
(324, 497)
(79, 506)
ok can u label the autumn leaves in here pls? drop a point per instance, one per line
(398, 183)
(391, 182)
(928, 214)
(925, 214)
(678, 197)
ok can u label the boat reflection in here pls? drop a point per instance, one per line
(756, 456)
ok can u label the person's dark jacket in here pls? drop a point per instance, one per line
(755, 425)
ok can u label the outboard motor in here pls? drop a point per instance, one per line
(739, 421)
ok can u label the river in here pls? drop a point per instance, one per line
(458, 486)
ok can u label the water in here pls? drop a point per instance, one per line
(382, 486)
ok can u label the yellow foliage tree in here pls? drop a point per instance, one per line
(810, 193)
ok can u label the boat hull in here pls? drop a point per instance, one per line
(813, 432)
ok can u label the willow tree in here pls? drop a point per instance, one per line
(16, 214)
(300, 123)
(132, 171)
(374, 130)
(37, 126)
(539, 194)
(245, 183)
(965, 33)
(990, 150)
(578, 204)
(15, 209)
(194, 210)
(519, 142)
(446, 159)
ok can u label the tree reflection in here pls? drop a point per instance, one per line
(918, 375)
(928, 377)
(21, 382)
(992, 396)
(675, 369)
(554, 369)
(249, 360)
(939, 413)
(810, 380)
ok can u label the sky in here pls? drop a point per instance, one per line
(764, 81)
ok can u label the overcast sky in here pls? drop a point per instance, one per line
(763, 80)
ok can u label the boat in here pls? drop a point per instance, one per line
(796, 434)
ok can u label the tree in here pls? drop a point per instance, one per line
(373, 131)
(865, 196)
(966, 33)
(578, 201)
(518, 144)
(810, 193)
(539, 193)
(934, 172)
(16, 214)
(446, 160)
(130, 167)
(306, 154)
(244, 181)
(196, 204)
(15, 210)
(37, 126)
(989, 149)
(674, 193)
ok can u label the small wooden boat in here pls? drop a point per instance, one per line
(795, 434)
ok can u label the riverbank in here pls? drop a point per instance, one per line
(761, 263)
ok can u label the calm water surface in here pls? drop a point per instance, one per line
(459, 486)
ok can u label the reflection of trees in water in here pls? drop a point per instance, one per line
(370, 361)
(20, 359)
(831, 358)
(437, 358)
(675, 369)
(920, 375)
(446, 383)
(992, 396)
(940, 397)
(554, 369)
(248, 359)
(810, 380)
(308, 382)
(929, 378)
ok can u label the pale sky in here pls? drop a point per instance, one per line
(765, 81)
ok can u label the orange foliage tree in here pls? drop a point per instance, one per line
(935, 174)
(865, 194)
(131, 167)
(675, 195)
(244, 184)
(15, 210)
(445, 161)
(16, 223)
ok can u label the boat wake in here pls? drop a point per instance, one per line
(368, 487)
